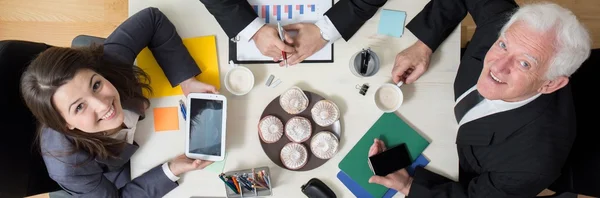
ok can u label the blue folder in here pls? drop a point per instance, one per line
(360, 192)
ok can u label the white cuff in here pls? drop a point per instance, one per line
(328, 29)
(168, 172)
(248, 32)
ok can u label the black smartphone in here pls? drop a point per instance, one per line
(390, 160)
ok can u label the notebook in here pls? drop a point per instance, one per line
(204, 51)
(392, 130)
(359, 191)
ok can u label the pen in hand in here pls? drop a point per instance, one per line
(282, 37)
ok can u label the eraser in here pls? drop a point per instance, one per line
(276, 83)
(270, 80)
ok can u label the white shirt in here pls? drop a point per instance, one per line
(324, 24)
(487, 107)
(130, 120)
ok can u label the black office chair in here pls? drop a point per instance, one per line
(581, 174)
(22, 170)
(86, 40)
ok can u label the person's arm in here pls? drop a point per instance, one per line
(490, 184)
(151, 28)
(349, 15)
(330, 33)
(84, 177)
(440, 17)
(235, 17)
(87, 180)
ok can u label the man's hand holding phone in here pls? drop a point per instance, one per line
(398, 180)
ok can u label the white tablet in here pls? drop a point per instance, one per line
(205, 126)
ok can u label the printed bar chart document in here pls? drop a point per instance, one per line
(284, 12)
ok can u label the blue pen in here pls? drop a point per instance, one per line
(182, 108)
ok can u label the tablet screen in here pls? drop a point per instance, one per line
(205, 126)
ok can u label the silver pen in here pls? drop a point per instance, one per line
(281, 36)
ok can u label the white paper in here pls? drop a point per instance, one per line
(247, 51)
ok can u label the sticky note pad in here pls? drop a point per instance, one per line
(391, 23)
(166, 119)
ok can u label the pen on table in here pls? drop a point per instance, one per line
(182, 108)
(282, 37)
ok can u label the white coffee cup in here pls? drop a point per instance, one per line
(388, 97)
(239, 80)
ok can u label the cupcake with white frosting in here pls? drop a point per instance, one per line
(298, 129)
(324, 145)
(293, 101)
(270, 129)
(325, 113)
(294, 156)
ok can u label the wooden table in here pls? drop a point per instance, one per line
(427, 104)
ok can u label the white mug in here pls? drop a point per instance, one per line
(239, 80)
(388, 97)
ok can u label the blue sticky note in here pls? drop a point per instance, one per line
(391, 23)
(359, 191)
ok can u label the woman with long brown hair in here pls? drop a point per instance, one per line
(88, 102)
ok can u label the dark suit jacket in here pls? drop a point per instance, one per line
(112, 177)
(347, 15)
(516, 153)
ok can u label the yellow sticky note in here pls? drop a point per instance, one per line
(166, 119)
(204, 51)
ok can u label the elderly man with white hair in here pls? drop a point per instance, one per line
(514, 105)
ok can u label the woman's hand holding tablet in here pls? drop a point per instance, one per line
(206, 126)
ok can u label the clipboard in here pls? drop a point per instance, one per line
(233, 57)
(286, 12)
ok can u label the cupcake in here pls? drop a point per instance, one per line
(294, 156)
(324, 145)
(325, 113)
(270, 129)
(298, 129)
(293, 101)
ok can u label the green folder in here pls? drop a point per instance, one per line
(393, 131)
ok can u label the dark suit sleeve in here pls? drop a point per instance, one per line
(87, 180)
(349, 15)
(232, 15)
(489, 184)
(440, 17)
(81, 177)
(151, 28)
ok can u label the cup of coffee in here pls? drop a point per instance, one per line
(388, 97)
(239, 80)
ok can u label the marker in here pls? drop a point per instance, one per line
(228, 184)
(237, 185)
(182, 109)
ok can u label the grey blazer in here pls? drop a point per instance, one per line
(112, 177)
